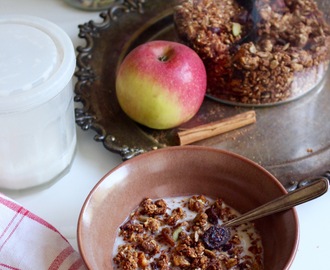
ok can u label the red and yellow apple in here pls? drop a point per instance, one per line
(161, 84)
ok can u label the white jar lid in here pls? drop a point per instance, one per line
(37, 61)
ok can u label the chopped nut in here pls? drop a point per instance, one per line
(177, 214)
(180, 261)
(231, 262)
(142, 260)
(197, 203)
(237, 29)
(166, 237)
(176, 233)
(274, 64)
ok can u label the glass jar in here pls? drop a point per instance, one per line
(258, 52)
(38, 135)
(92, 5)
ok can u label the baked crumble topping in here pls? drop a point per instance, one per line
(273, 51)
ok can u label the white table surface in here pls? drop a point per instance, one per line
(60, 203)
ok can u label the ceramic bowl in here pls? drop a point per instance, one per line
(178, 171)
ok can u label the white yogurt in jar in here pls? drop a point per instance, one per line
(37, 137)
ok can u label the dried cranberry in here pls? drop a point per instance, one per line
(215, 237)
(215, 30)
(247, 4)
(211, 216)
(226, 247)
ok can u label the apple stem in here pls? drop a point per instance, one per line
(163, 58)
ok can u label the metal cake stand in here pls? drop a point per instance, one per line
(291, 140)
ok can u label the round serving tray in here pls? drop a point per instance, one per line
(292, 140)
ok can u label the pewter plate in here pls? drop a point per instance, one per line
(291, 140)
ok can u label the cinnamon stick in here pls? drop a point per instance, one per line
(215, 128)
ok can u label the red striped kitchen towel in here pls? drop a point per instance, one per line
(28, 242)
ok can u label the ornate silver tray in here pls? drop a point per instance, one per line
(291, 140)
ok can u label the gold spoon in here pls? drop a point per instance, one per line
(216, 236)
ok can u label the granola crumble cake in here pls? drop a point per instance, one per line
(262, 53)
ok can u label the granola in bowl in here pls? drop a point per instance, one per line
(173, 233)
(257, 52)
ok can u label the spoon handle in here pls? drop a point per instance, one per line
(284, 202)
